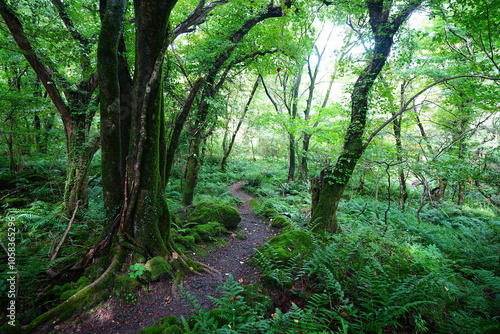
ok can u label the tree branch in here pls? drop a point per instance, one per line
(197, 17)
(404, 107)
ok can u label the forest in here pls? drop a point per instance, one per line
(361, 138)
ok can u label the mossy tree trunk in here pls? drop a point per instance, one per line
(134, 148)
(110, 72)
(330, 185)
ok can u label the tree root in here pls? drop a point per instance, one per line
(83, 299)
(190, 265)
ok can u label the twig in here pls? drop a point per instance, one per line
(65, 235)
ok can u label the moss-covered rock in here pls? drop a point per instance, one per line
(124, 284)
(158, 267)
(208, 231)
(280, 221)
(206, 212)
(168, 325)
(287, 245)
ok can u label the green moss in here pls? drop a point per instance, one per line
(187, 240)
(69, 289)
(280, 221)
(288, 245)
(83, 282)
(158, 267)
(68, 293)
(125, 284)
(208, 231)
(215, 212)
(138, 258)
(195, 235)
(168, 325)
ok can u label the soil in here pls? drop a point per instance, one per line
(116, 316)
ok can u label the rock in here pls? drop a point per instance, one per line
(209, 230)
(158, 267)
(280, 221)
(206, 212)
(124, 284)
(287, 245)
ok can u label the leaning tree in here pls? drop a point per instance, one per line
(385, 18)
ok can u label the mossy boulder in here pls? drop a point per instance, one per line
(287, 245)
(209, 231)
(280, 221)
(206, 212)
(168, 325)
(158, 267)
(124, 285)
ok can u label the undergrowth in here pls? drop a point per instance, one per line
(388, 271)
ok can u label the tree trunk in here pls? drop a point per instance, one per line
(396, 125)
(111, 73)
(192, 169)
(179, 125)
(304, 157)
(145, 219)
(77, 171)
(229, 145)
(291, 157)
(332, 182)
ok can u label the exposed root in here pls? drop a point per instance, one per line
(83, 299)
(190, 265)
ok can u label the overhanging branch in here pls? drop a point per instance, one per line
(404, 107)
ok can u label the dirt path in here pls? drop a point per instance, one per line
(114, 316)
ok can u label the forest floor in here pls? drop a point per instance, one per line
(116, 316)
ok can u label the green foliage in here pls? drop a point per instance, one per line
(137, 270)
(242, 309)
(168, 325)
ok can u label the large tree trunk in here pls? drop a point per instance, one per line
(145, 219)
(332, 181)
(111, 73)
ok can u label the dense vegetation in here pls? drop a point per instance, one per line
(366, 130)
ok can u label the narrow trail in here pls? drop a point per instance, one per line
(114, 316)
